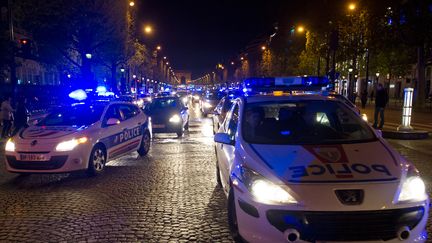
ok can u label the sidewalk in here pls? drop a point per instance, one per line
(420, 120)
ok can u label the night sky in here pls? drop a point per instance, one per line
(197, 34)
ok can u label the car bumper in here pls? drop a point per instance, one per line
(57, 162)
(167, 128)
(273, 223)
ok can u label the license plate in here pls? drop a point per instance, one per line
(33, 157)
(158, 126)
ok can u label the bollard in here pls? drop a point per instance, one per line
(407, 110)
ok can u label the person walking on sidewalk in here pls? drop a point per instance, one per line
(6, 115)
(381, 100)
(21, 116)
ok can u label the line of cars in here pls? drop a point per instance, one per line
(300, 166)
(86, 135)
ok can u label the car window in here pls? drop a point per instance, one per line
(81, 115)
(303, 122)
(231, 123)
(112, 112)
(128, 111)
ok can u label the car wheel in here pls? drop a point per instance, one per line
(232, 218)
(180, 132)
(145, 144)
(218, 176)
(187, 125)
(97, 161)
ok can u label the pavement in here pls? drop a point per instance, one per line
(168, 196)
(393, 118)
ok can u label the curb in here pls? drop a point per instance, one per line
(404, 135)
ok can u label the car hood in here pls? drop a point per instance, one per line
(49, 132)
(348, 163)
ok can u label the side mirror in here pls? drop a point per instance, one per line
(223, 138)
(113, 121)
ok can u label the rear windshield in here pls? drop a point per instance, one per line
(159, 104)
(305, 122)
(82, 115)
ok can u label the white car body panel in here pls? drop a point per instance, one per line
(312, 174)
(117, 139)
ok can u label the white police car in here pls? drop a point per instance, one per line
(303, 167)
(79, 137)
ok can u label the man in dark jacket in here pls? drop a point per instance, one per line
(381, 100)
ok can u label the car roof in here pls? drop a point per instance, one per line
(290, 97)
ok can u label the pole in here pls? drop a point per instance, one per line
(407, 110)
(12, 64)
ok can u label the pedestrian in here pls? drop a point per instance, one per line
(372, 96)
(21, 116)
(381, 100)
(6, 114)
(363, 98)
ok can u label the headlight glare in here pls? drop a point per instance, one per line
(70, 145)
(263, 190)
(10, 146)
(413, 189)
(175, 119)
(207, 105)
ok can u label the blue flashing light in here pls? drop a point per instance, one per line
(78, 94)
(167, 89)
(101, 89)
(88, 90)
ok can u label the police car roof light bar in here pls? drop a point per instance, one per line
(296, 83)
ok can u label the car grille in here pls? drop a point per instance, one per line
(346, 226)
(55, 162)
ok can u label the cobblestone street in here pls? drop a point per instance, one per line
(168, 196)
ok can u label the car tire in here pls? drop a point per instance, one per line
(232, 218)
(97, 160)
(187, 125)
(145, 144)
(218, 177)
(180, 133)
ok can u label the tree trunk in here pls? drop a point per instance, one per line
(114, 77)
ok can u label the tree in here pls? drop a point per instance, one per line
(67, 31)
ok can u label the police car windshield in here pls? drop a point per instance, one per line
(81, 115)
(303, 122)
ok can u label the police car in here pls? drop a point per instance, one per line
(79, 137)
(304, 167)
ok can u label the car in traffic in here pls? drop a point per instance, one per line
(79, 137)
(184, 96)
(306, 168)
(168, 115)
(209, 101)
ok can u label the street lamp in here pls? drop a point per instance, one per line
(159, 48)
(352, 6)
(148, 29)
(131, 3)
(263, 48)
(134, 76)
(165, 58)
(300, 29)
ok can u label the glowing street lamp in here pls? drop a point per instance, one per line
(131, 3)
(263, 48)
(148, 29)
(352, 6)
(159, 48)
(300, 29)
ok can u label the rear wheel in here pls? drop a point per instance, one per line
(97, 161)
(180, 132)
(145, 144)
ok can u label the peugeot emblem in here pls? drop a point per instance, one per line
(350, 197)
(33, 143)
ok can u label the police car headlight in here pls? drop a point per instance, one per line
(263, 190)
(412, 189)
(175, 119)
(10, 146)
(70, 145)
